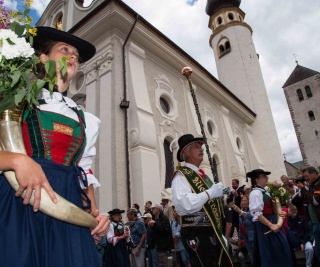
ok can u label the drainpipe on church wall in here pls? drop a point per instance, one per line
(125, 105)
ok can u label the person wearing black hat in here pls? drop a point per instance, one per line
(271, 247)
(193, 198)
(59, 140)
(116, 253)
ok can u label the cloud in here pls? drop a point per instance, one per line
(37, 5)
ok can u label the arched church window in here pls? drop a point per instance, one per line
(311, 116)
(308, 91)
(219, 20)
(300, 95)
(230, 16)
(169, 163)
(58, 22)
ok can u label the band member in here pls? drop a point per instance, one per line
(194, 199)
(271, 248)
(59, 140)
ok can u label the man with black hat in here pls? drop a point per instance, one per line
(194, 197)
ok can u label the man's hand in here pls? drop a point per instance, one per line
(216, 190)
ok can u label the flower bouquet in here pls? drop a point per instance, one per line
(277, 191)
(19, 89)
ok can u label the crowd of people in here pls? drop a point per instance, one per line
(147, 240)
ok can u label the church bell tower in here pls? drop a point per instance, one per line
(239, 70)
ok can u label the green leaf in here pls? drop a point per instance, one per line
(17, 28)
(9, 41)
(26, 12)
(15, 76)
(19, 96)
(63, 65)
(50, 67)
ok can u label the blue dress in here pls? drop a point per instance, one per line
(56, 141)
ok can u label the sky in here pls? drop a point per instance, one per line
(281, 29)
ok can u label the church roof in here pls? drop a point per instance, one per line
(215, 5)
(299, 73)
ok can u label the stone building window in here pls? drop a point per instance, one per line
(300, 95)
(165, 105)
(169, 163)
(224, 47)
(311, 116)
(308, 91)
(58, 22)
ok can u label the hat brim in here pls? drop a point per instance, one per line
(194, 140)
(113, 212)
(255, 175)
(85, 49)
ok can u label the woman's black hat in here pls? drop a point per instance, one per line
(86, 50)
(185, 140)
(116, 211)
(254, 174)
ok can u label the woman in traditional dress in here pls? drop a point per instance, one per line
(116, 254)
(59, 140)
(270, 249)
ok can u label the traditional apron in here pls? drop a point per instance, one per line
(201, 232)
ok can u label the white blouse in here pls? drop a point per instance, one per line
(256, 203)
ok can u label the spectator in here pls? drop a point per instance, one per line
(299, 226)
(235, 197)
(137, 207)
(311, 197)
(147, 207)
(151, 245)
(162, 234)
(138, 236)
(179, 255)
(167, 208)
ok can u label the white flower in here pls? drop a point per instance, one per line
(19, 49)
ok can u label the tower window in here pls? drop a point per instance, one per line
(221, 49)
(308, 91)
(230, 16)
(227, 45)
(311, 116)
(224, 47)
(300, 95)
(169, 163)
(219, 20)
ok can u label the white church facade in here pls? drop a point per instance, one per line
(134, 85)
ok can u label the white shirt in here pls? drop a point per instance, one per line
(256, 203)
(185, 201)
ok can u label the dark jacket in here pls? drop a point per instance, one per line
(300, 227)
(312, 196)
(163, 233)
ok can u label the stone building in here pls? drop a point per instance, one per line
(135, 86)
(302, 92)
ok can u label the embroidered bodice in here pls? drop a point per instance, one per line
(53, 136)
